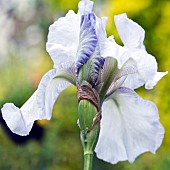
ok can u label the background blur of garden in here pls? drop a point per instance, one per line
(55, 144)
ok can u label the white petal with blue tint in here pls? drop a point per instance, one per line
(63, 38)
(38, 107)
(100, 29)
(85, 7)
(108, 46)
(151, 83)
(131, 34)
(129, 127)
(20, 121)
(48, 91)
(146, 68)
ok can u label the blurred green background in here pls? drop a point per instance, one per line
(55, 144)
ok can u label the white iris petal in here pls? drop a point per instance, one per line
(108, 46)
(132, 36)
(129, 127)
(146, 68)
(63, 38)
(151, 83)
(48, 91)
(38, 107)
(20, 121)
(85, 7)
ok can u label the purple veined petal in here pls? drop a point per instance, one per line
(151, 83)
(129, 127)
(39, 106)
(131, 34)
(89, 47)
(88, 40)
(85, 7)
(63, 38)
(96, 64)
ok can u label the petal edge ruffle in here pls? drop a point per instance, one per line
(129, 127)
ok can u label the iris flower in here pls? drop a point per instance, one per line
(106, 75)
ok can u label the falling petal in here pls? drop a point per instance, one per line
(129, 127)
(38, 107)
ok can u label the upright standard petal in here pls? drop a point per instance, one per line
(131, 34)
(63, 38)
(129, 127)
(85, 7)
(38, 107)
(88, 40)
(88, 54)
(108, 46)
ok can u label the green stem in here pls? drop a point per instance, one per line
(88, 161)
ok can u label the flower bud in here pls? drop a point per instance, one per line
(89, 117)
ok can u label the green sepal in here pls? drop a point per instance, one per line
(86, 114)
(89, 129)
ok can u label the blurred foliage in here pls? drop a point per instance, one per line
(60, 147)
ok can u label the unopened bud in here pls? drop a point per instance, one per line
(89, 116)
